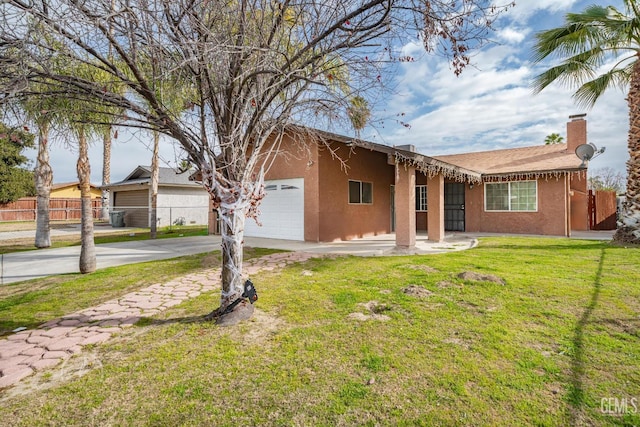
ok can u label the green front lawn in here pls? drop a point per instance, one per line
(339, 342)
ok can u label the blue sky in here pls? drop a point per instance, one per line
(490, 106)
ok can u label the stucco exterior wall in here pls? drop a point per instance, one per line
(297, 161)
(73, 192)
(174, 203)
(550, 219)
(328, 215)
(340, 220)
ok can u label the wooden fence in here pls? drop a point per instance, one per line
(602, 210)
(59, 209)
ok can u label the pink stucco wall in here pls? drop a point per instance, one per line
(328, 215)
(550, 219)
(339, 220)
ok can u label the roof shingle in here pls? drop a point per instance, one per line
(536, 160)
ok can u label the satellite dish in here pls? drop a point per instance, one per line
(585, 152)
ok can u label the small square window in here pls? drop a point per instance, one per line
(360, 192)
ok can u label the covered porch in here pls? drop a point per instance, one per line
(408, 167)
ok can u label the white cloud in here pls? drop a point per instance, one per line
(491, 105)
(512, 35)
(526, 9)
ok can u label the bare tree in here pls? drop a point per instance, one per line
(246, 70)
(607, 179)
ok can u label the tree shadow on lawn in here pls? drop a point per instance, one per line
(576, 396)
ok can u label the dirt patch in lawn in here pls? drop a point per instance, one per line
(479, 277)
(373, 310)
(425, 268)
(262, 327)
(417, 291)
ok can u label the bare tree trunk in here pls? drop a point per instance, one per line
(87, 245)
(106, 172)
(232, 230)
(155, 172)
(43, 176)
(629, 223)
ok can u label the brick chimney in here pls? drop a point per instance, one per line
(576, 132)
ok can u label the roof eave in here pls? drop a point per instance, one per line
(535, 174)
(431, 167)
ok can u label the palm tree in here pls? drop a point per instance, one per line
(585, 44)
(87, 261)
(553, 138)
(43, 176)
(42, 111)
(106, 170)
(155, 175)
(359, 114)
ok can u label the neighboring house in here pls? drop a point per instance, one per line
(376, 189)
(64, 204)
(180, 201)
(71, 190)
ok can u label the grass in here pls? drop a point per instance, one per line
(31, 303)
(544, 349)
(19, 245)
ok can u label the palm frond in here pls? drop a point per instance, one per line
(587, 95)
(586, 42)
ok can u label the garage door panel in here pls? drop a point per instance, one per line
(281, 211)
(135, 205)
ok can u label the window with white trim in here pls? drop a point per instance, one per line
(360, 193)
(518, 196)
(421, 198)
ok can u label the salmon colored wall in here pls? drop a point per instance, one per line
(301, 162)
(340, 220)
(549, 220)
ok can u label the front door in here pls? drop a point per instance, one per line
(453, 207)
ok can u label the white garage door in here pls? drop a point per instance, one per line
(281, 211)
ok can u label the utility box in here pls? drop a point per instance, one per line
(117, 218)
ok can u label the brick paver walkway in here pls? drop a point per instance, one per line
(26, 352)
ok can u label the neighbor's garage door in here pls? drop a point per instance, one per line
(135, 205)
(281, 211)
